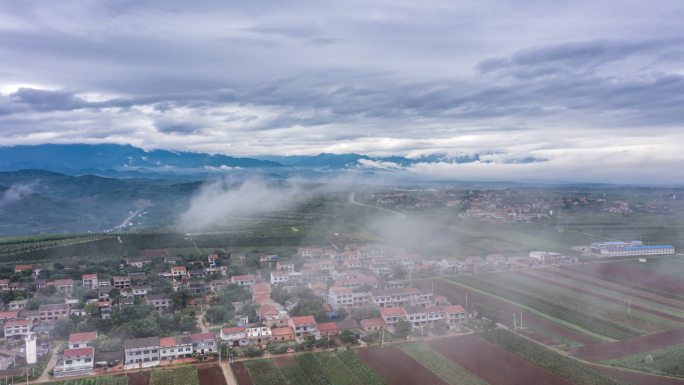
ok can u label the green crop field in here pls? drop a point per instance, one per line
(327, 368)
(186, 375)
(565, 367)
(447, 369)
(101, 380)
(668, 361)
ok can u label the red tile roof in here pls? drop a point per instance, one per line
(392, 311)
(9, 314)
(167, 342)
(327, 327)
(79, 352)
(82, 337)
(372, 322)
(303, 320)
(18, 322)
(201, 337)
(284, 331)
(89, 276)
(454, 309)
(236, 329)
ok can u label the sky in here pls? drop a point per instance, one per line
(595, 88)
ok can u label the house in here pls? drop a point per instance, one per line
(278, 277)
(138, 262)
(173, 348)
(260, 289)
(161, 302)
(137, 277)
(75, 362)
(198, 287)
(401, 297)
(243, 280)
(347, 324)
(9, 315)
(17, 304)
(455, 314)
(140, 290)
(32, 315)
(283, 334)
(435, 314)
(285, 266)
(392, 315)
(304, 328)
(218, 284)
(196, 273)
(81, 340)
(141, 352)
(344, 297)
(235, 336)
(51, 312)
(178, 272)
(16, 329)
(259, 335)
(121, 282)
(372, 324)
(212, 259)
(63, 286)
(203, 343)
(20, 268)
(4, 284)
(90, 280)
(272, 317)
(328, 329)
(268, 258)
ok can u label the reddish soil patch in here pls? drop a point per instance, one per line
(454, 293)
(556, 282)
(636, 345)
(494, 365)
(285, 361)
(642, 378)
(631, 276)
(576, 276)
(396, 368)
(140, 378)
(241, 374)
(211, 375)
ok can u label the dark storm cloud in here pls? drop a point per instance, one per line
(533, 79)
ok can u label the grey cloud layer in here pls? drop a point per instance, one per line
(535, 79)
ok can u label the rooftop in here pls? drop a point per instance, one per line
(79, 352)
(139, 343)
(82, 337)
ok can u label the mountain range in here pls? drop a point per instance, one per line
(129, 161)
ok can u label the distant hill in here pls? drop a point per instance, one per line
(37, 201)
(344, 161)
(82, 158)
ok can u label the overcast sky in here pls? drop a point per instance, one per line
(595, 87)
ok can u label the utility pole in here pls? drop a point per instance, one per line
(382, 338)
(521, 320)
(466, 305)
(629, 306)
(515, 322)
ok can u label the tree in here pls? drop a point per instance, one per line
(63, 327)
(402, 328)
(348, 337)
(217, 314)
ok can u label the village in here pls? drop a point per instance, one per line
(158, 309)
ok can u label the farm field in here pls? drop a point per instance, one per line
(547, 303)
(636, 275)
(606, 316)
(666, 361)
(327, 368)
(545, 330)
(492, 364)
(178, 376)
(567, 368)
(101, 380)
(608, 295)
(628, 291)
(637, 345)
(397, 368)
(450, 372)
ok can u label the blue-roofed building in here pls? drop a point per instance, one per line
(637, 251)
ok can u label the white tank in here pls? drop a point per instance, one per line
(31, 351)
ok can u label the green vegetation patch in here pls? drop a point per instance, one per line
(360, 368)
(102, 380)
(265, 372)
(450, 372)
(568, 368)
(186, 375)
(669, 361)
